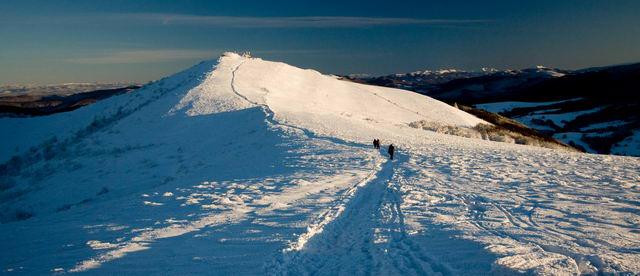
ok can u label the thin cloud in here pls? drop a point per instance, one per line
(290, 22)
(291, 51)
(143, 56)
(164, 19)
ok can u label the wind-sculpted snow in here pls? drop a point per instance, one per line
(246, 166)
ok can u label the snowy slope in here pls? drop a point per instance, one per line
(245, 166)
(308, 99)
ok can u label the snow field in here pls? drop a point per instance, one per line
(246, 166)
(539, 212)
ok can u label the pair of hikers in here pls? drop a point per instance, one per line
(376, 143)
(391, 150)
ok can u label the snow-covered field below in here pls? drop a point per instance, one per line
(245, 166)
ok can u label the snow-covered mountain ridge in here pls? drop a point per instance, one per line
(308, 99)
(247, 166)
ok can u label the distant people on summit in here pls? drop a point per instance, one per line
(391, 150)
(376, 143)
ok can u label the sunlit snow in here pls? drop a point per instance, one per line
(245, 166)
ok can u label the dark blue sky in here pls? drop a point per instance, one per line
(137, 40)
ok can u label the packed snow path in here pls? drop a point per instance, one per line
(245, 166)
(367, 214)
(366, 235)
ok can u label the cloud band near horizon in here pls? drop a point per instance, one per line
(297, 22)
(143, 56)
(169, 19)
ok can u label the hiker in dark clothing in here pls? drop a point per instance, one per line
(391, 150)
(376, 143)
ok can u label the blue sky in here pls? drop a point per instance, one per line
(117, 40)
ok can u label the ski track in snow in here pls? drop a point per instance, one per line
(243, 185)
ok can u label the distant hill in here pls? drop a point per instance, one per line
(25, 101)
(594, 109)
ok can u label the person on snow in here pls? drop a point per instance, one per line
(391, 150)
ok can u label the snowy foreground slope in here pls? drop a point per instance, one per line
(244, 166)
